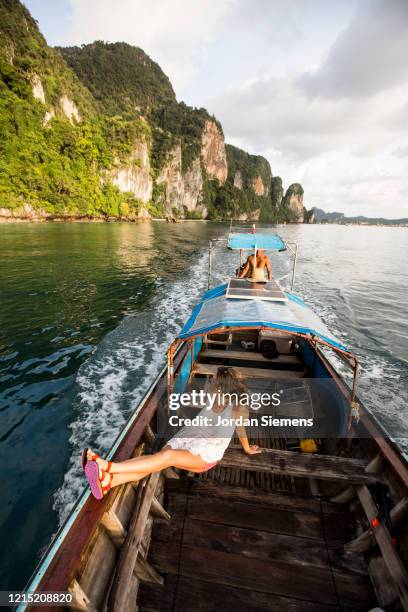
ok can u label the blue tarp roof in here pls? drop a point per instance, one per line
(216, 310)
(260, 241)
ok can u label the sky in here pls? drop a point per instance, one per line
(319, 88)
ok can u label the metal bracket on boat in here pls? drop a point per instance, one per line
(355, 411)
(170, 368)
(210, 250)
(293, 248)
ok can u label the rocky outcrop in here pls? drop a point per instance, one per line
(9, 52)
(181, 191)
(213, 152)
(293, 202)
(320, 215)
(254, 215)
(38, 89)
(193, 185)
(238, 182)
(311, 217)
(70, 109)
(48, 116)
(276, 192)
(258, 186)
(143, 214)
(24, 213)
(172, 180)
(134, 176)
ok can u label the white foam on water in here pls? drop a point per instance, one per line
(114, 379)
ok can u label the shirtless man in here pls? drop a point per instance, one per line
(262, 262)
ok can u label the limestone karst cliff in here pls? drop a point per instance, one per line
(213, 153)
(276, 192)
(134, 174)
(97, 131)
(181, 192)
(293, 203)
(246, 194)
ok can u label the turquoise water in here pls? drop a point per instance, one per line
(87, 312)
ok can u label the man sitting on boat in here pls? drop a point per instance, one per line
(254, 269)
(189, 449)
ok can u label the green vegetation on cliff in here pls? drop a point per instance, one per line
(125, 81)
(72, 117)
(246, 191)
(177, 123)
(49, 159)
(122, 78)
(24, 54)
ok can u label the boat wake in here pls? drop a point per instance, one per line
(112, 381)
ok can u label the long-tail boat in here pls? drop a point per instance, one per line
(315, 522)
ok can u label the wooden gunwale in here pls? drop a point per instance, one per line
(62, 567)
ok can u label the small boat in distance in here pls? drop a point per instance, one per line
(317, 522)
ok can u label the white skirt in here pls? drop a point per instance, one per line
(198, 441)
(209, 449)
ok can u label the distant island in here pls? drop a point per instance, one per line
(317, 215)
(96, 133)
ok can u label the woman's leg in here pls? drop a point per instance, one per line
(147, 464)
(119, 479)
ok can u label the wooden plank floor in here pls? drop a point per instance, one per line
(231, 548)
(254, 480)
(325, 467)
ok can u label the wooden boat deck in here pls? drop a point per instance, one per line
(240, 547)
(256, 532)
(253, 533)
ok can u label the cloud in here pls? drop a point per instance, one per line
(369, 56)
(175, 33)
(401, 151)
(398, 118)
(272, 112)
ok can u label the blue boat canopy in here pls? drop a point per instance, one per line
(272, 242)
(217, 311)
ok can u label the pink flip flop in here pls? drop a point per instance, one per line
(84, 457)
(92, 474)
